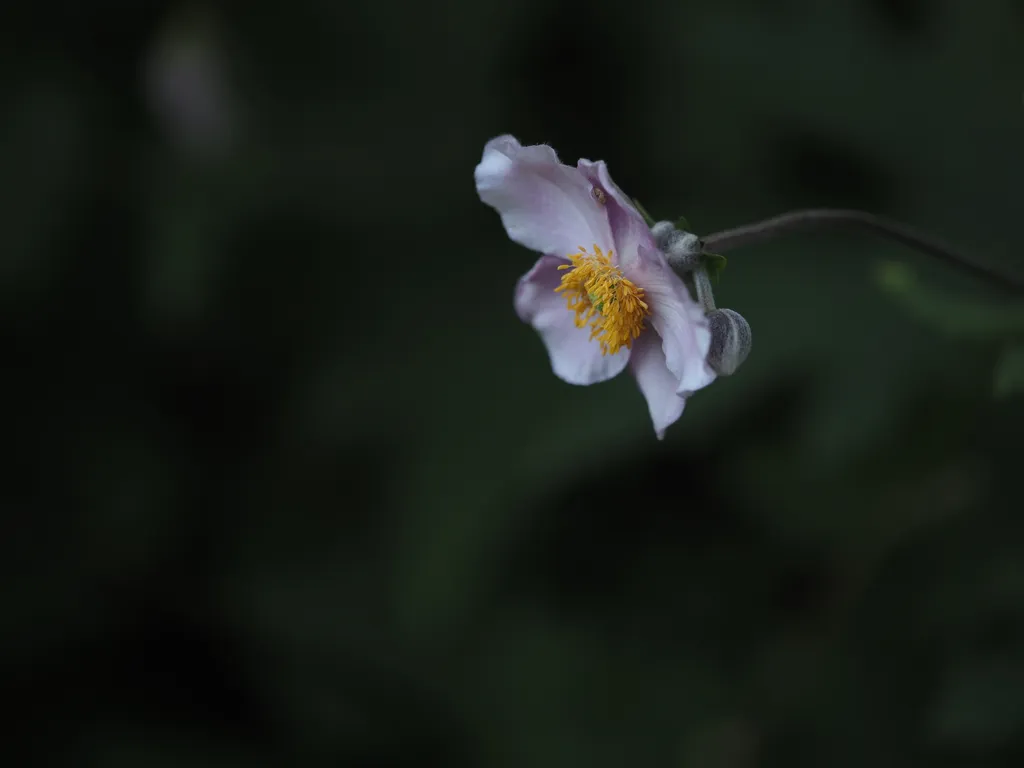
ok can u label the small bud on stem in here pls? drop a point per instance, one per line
(682, 249)
(730, 341)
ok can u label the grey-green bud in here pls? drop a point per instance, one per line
(661, 231)
(682, 249)
(730, 341)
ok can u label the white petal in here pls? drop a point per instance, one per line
(678, 319)
(545, 205)
(575, 358)
(656, 381)
(629, 230)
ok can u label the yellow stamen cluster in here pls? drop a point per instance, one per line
(599, 294)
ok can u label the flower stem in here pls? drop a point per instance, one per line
(832, 219)
(702, 286)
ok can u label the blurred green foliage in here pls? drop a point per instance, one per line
(1010, 370)
(983, 317)
(997, 321)
(291, 485)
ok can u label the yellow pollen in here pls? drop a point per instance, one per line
(599, 294)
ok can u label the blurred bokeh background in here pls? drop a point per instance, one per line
(290, 485)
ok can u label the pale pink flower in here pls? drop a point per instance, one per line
(602, 296)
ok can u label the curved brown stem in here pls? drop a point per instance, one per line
(832, 219)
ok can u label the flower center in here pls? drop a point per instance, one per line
(599, 294)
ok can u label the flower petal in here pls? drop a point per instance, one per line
(678, 319)
(629, 230)
(574, 357)
(656, 381)
(545, 205)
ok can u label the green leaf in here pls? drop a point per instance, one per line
(683, 224)
(715, 264)
(957, 315)
(1009, 378)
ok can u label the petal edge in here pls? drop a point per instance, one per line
(544, 205)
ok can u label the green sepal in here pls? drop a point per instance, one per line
(715, 264)
(643, 212)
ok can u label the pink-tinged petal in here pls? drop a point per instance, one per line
(629, 230)
(574, 357)
(677, 318)
(657, 383)
(545, 205)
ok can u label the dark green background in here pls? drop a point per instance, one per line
(289, 484)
